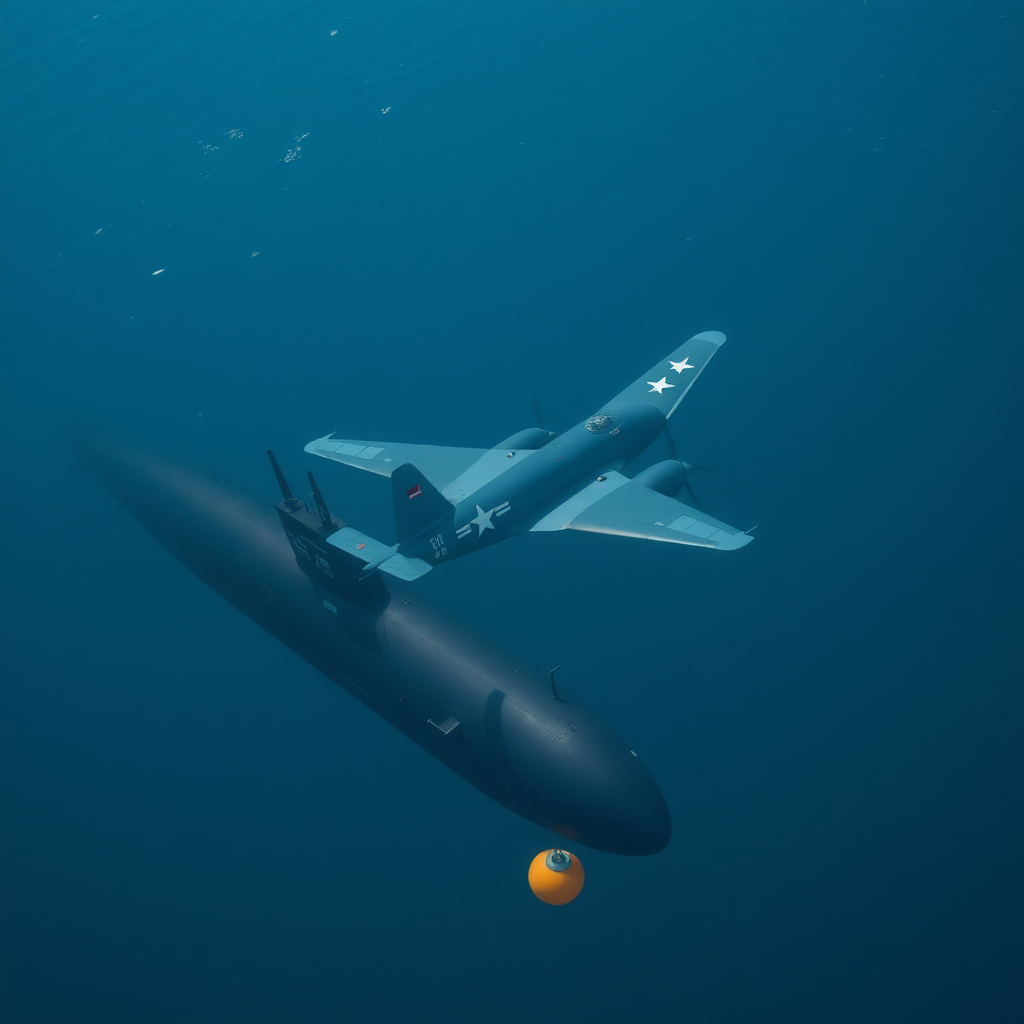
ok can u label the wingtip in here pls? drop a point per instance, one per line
(734, 543)
(313, 448)
(715, 337)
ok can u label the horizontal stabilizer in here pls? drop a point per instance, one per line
(664, 385)
(368, 550)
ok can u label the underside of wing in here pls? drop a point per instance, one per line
(438, 464)
(620, 506)
(665, 384)
(455, 472)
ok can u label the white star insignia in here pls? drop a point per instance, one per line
(659, 385)
(684, 365)
(483, 520)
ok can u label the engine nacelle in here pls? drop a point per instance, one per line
(664, 477)
(531, 438)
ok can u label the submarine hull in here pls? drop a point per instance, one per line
(472, 705)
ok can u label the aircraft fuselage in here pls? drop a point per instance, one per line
(526, 492)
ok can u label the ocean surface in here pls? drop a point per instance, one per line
(405, 220)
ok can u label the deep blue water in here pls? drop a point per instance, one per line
(487, 201)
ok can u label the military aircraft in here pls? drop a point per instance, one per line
(452, 501)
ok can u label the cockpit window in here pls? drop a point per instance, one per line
(600, 424)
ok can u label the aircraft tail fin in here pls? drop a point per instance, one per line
(335, 556)
(418, 503)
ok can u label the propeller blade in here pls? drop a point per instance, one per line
(538, 413)
(671, 445)
(693, 497)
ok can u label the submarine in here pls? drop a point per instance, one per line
(501, 725)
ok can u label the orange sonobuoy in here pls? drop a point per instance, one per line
(556, 877)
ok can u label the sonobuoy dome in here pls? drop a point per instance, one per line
(556, 877)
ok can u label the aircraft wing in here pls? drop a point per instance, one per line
(621, 506)
(666, 382)
(455, 472)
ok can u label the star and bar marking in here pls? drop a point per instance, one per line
(482, 520)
